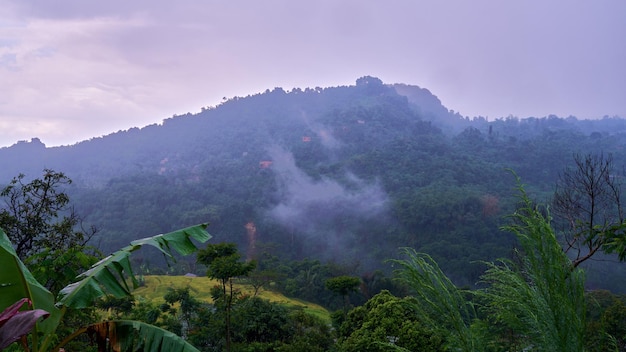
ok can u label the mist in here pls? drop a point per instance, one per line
(323, 212)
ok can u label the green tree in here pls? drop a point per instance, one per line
(540, 296)
(117, 306)
(261, 322)
(188, 305)
(385, 322)
(443, 307)
(308, 333)
(262, 278)
(343, 285)
(224, 263)
(613, 324)
(41, 224)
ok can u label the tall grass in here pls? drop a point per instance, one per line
(539, 297)
(440, 303)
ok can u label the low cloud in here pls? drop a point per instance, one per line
(323, 210)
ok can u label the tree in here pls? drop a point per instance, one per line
(539, 297)
(343, 285)
(386, 320)
(261, 278)
(588, 200)
(259, 321)
(188, 306)
(440, 304)
(106, 277)
(41, 224)
(614, 324)
(309, 333)
(224, 264)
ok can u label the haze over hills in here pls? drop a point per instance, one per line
(346, 174)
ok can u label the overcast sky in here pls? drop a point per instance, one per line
(75, 69)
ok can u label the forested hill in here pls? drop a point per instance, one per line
(347, 174)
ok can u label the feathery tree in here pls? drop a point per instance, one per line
(539, 297)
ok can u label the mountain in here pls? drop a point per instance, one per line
(346, 174)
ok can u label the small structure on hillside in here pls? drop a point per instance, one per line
(264, 164)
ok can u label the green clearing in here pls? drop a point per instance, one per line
(156, 286)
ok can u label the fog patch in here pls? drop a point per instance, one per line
(323, 133)
(330, 217)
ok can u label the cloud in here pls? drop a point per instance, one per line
(117, 64)
(322, 132)
(319, 211)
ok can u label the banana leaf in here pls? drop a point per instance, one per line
(111, 275)
(17, 283)
(131, 336)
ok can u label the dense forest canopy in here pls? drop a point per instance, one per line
(343, 174)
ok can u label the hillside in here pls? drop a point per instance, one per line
(155, 287)
(341, 174)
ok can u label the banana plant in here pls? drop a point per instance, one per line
(112, 275)
(18, 323)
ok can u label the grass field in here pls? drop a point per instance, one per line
(156, 286)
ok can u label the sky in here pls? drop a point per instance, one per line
(71, 70)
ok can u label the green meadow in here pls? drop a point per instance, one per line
(156, 286)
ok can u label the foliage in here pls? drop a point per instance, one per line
(223, 262)
(18, 324)
(343, 285)
(439, 175)
(539, 298)
(261, 325)
(17, 283)
(156, 287)
(613, 323)
(107, 276)
(262, 278)
(118, 306)
(442, 306)
(187, 307)
(40, 223)
(385, 322)
(306, 279)
(125, 335)
(256, 320)
(606, 322)
(307, 332)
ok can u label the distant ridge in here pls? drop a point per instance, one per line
(342, 174)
